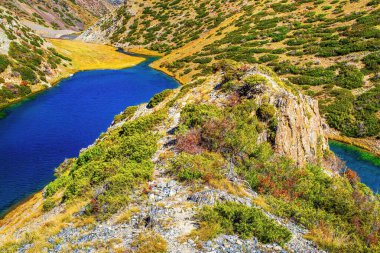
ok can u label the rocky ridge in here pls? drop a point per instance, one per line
(168, 206)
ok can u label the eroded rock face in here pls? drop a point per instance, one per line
(4, 43)
(299, 132)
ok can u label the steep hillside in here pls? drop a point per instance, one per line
(69, 16)
(196, 168)
(28, 63)
(330, 49)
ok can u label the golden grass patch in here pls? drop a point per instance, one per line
(88, 56)
(144, 51)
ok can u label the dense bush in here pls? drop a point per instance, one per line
(117, 164)
(266, 112)
(343, 207)
(354, 116)
(27, 74)
(204, 167)
(372, 61)
(233, 218)
(349, 77)
(158, 98)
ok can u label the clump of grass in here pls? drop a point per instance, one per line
(158, 98)
(150, 242)
(126, 216)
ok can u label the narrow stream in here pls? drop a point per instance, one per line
(367, 166)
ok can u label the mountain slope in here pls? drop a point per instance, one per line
(28, 62)
(331, 50)
(68, 15)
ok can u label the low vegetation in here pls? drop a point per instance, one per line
(149, 241)
(115, 166)
(233, 218)
(158, 98)
(87, 56)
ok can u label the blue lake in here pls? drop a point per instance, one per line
(367, 170)
(38, 134)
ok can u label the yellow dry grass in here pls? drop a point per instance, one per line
(88, 56)
(144, 51)
(193, 47)
(28, 220)
(327, 238)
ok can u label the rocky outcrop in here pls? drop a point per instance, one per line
(299, 130)
(4, 43)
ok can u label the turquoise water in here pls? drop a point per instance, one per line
(38, 134)
(367, 166)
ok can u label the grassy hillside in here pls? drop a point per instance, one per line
(27, 62)
(330, 49)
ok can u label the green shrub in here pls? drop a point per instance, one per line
(26, 73)
(205, 166)
(256, 79)
(244, 221)
(195, 115)
(266, 112)
(354, 116)
(48, 204)
(4, 62)
(372, 61)
(126, 114)
(158, 98)
(349, 77)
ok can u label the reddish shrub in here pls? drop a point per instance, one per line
(24, 83)
(245, 67)
(233, 99)
(352, 176)
(94, 206)
(190, 142)
(214, 134)
(372, 239)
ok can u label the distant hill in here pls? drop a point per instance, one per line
(74, 15)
